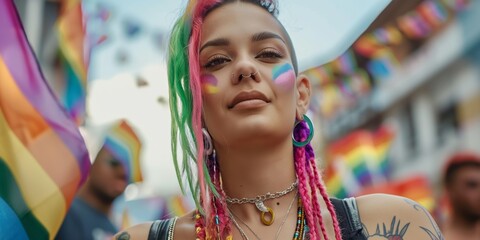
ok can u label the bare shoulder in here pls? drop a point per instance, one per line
(184, 229)
(396, 217)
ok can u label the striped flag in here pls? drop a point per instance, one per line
(357, 161)
(415, 187)
(125, 145)
(43, 159)
(71, 34)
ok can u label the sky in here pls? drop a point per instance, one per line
(320, 29)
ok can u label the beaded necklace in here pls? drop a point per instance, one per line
(301, 228)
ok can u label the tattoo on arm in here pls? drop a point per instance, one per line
(123, 236)
(437, 234)
(395, 231)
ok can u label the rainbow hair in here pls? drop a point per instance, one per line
(185, 106)
(186, 98)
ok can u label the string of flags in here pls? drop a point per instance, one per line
(342, 83)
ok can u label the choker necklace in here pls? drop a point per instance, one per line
(258, 201)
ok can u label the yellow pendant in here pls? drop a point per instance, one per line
(266, 221)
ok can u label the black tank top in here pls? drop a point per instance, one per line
(346, 210)
(348, 218)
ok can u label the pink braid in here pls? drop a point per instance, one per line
(331, 209)
(221, 205)
(218, 207)
(195, 86)
(315, 203)
(301, 131)
(303, 189)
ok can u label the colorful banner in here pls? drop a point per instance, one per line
(338, 85)
(43, 159)
(71, 34)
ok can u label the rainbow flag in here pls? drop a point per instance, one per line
(414, 26)
(433, 12)
(124, 144)
(43, 159)
(357, 161)
(71, 34)
(416, 187)
(346, 64)
(388, 36)
(382, 141)
(320, 76)
(383, 65)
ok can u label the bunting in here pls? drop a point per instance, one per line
(374, 57)
(338, 85)
(43, 159)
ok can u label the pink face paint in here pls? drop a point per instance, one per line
(209, 83)
(284, 76)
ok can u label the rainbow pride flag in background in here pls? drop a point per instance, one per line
(415, 187)
(357, 161)
(125, 145)
(73, 50)
(43, 159)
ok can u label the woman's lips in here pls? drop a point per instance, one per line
(248, 99)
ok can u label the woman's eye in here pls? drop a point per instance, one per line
(216, 61)
(270, 54)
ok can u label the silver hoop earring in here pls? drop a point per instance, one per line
(207, 142)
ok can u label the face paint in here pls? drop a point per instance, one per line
(284, 76)
(209, 84)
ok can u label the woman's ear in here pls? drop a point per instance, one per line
(303, 95)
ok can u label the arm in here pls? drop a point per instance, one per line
(139, 232)
(184, 229)
(396, 218)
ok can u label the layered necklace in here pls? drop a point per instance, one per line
(298, 229)
(301, 228)
(267, 215)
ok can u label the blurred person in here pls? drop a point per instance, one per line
(238, 106)
(462, 189)
(113, 168)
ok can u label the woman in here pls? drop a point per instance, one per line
(236, 98)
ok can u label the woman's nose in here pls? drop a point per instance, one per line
(242, 76)
(245, 69)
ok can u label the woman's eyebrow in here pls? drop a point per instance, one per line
(215, 42)
(266, 35)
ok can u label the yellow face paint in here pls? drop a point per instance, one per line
(209, 84)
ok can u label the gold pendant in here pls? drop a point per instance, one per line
(265, 220)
